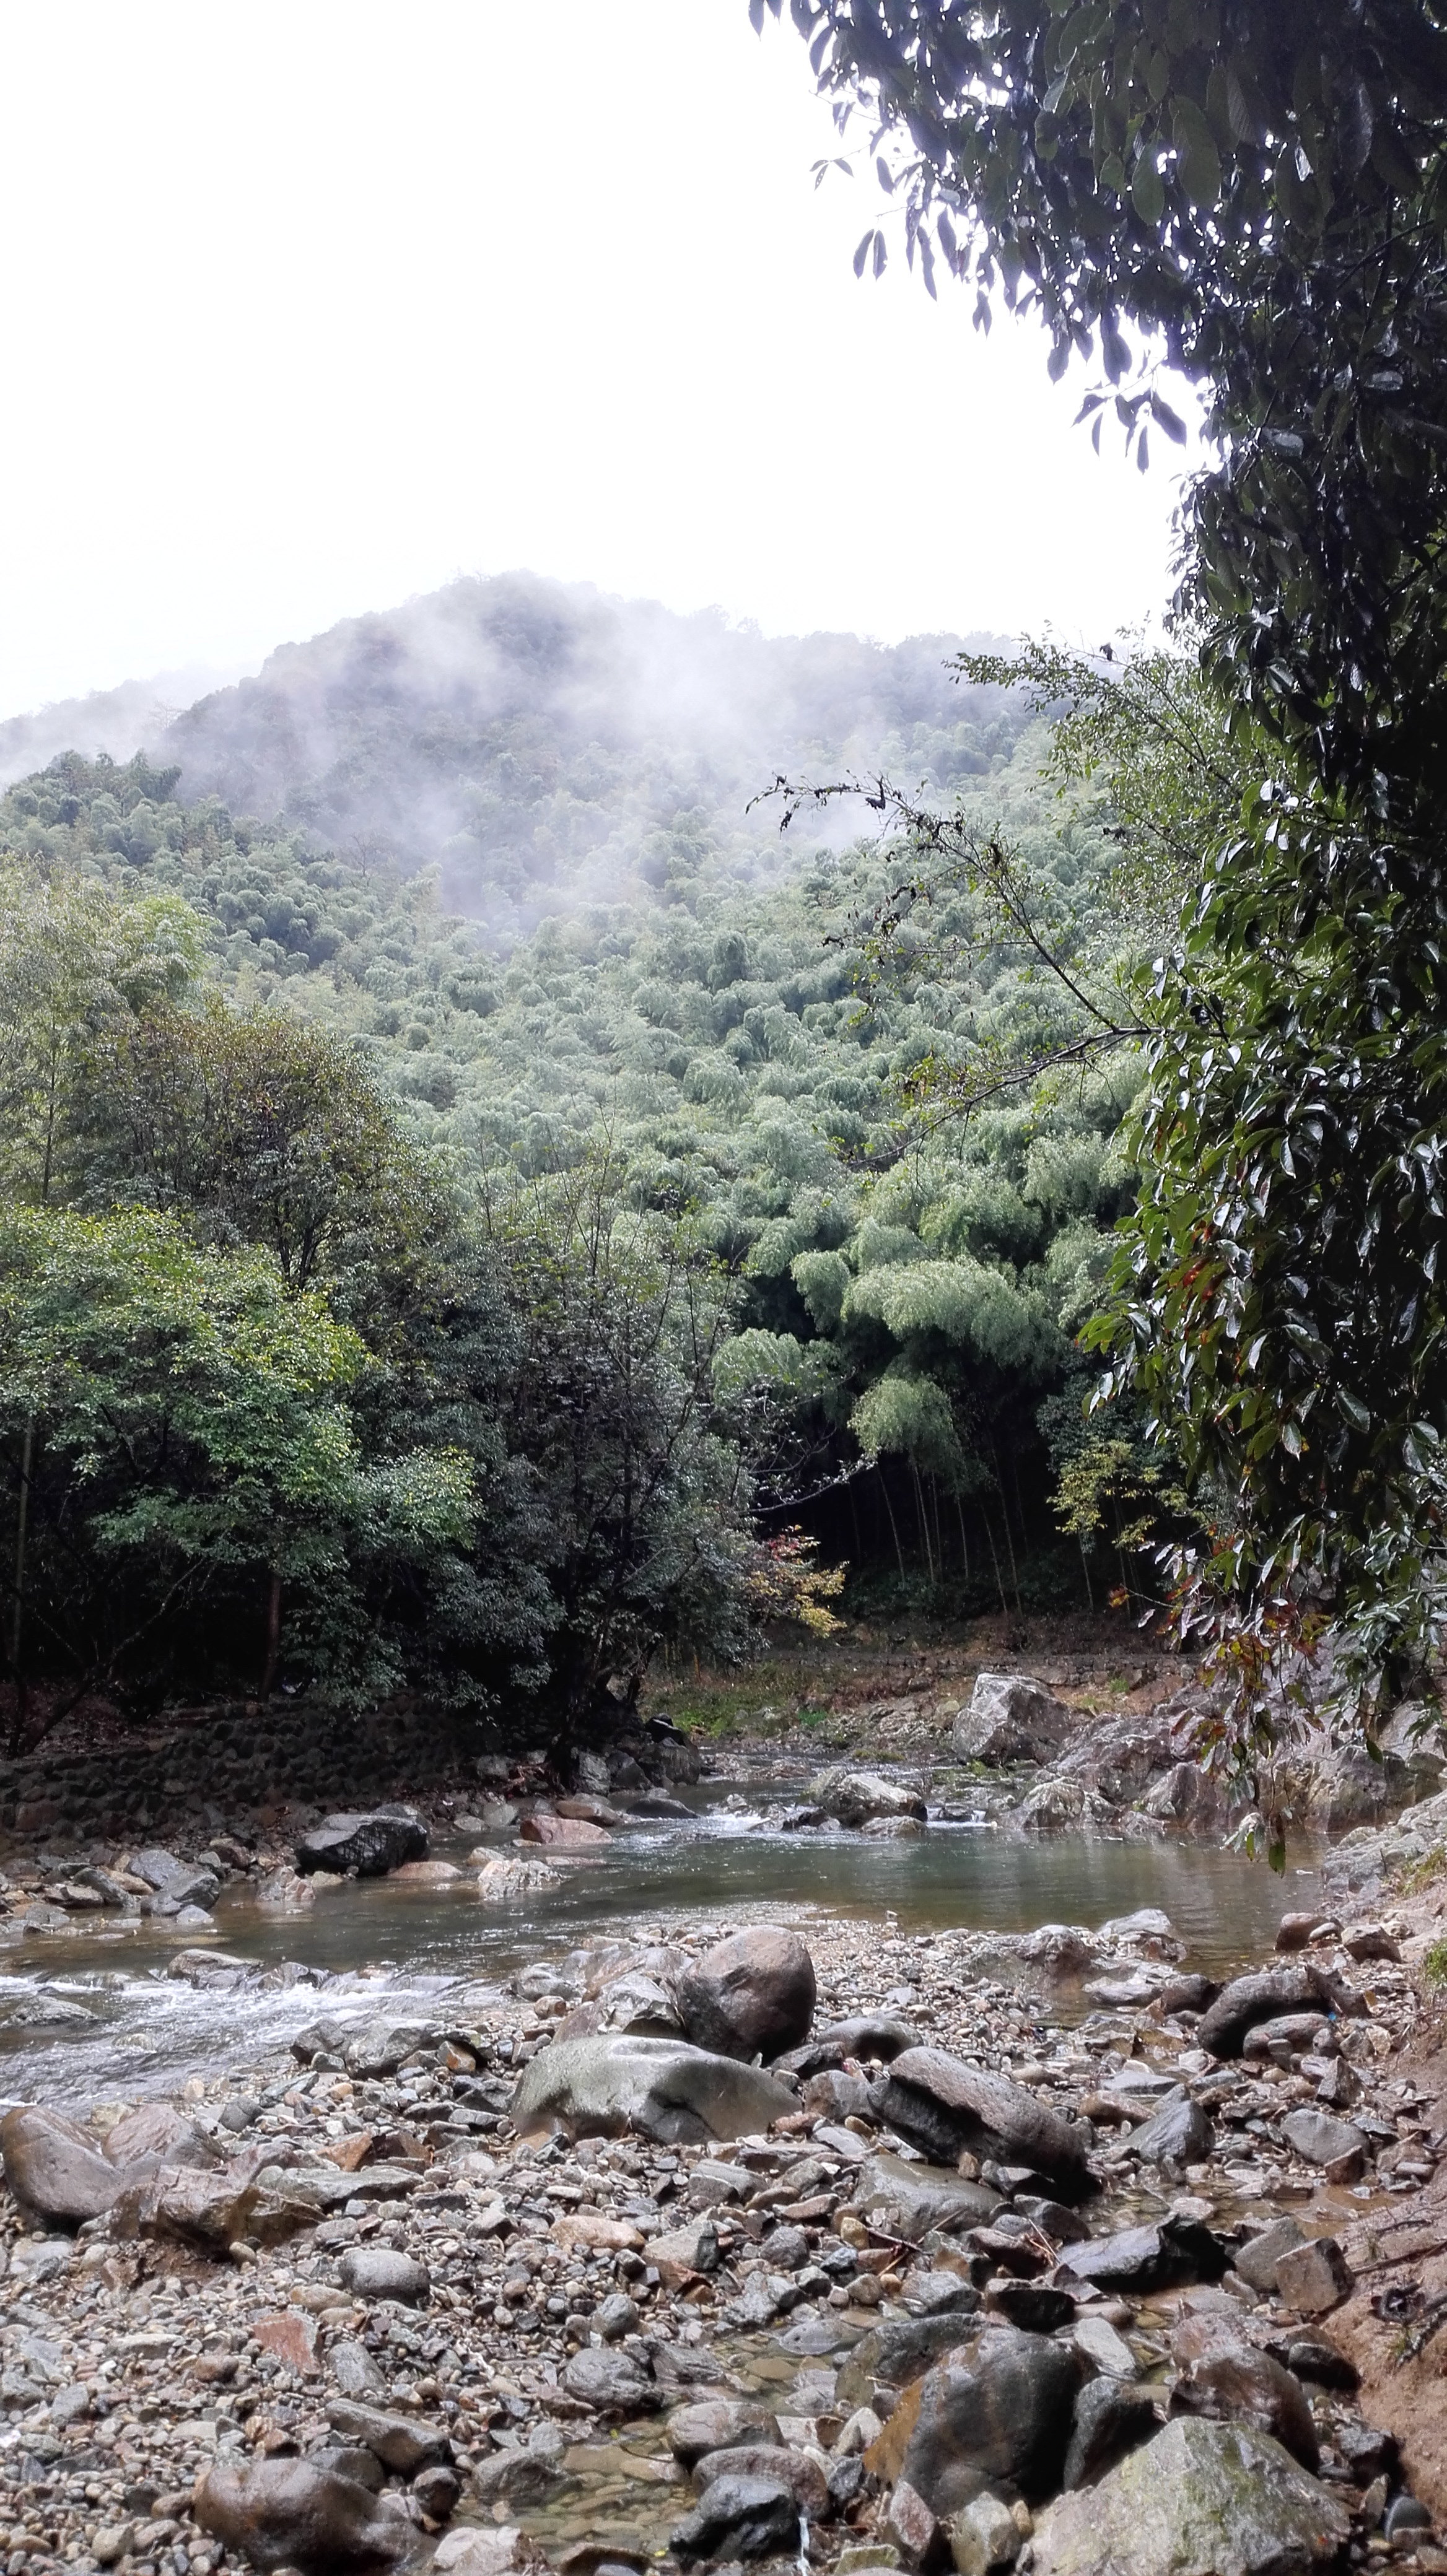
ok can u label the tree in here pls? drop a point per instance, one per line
(187, 1441)
(1255, 192)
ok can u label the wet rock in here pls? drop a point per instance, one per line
(1180, 2131)
(901, 2351)
(1112, 2419)
(854, 1798)
(998, 2418)
(1186, 1795)
(1249, 2387)
(403, 2443)
(718, 2424)
(1168, 2256)
(615, 2317)
(602, 2087)
(379, 2272)
(945, 2107)
(1202, 2499)
(1011, 1718)
(1264, 1996)
(562, 1833)
(370, 1843)
(427, 1873)
(588, 1809)
(54, 2170)
(750, 1996)
(771, 2461)
(1313, 2278)
(940, 2294)
(612, 2383)
(739, 2518)
(907, 2200)
(288, 2513)
(504, 1882)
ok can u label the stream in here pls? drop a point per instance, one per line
(399, 1947)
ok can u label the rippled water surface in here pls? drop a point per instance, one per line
(396, 1947)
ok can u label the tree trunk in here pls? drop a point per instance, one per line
(17, 1617)
(273, 1636)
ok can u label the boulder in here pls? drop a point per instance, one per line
(502, 1882)
(379, 2272)
(1202, 2499)
(1245, 2386)
(896, 2354)
(718, 2424)
(740, 2518)
(945, 2107)
(1312, 2278)
(55, 2171)
(612, 2383)
(1179, 2131)
(632, 2002)
(522, 2479)
(1011, 1718)
(211, 2208)
(403, 2443)
(1321, 2140)
(292, 2513)
(1296, 1986)
(562, 1833)
(370, 1843)
(1171, 2255)
(1257, 2259)
(381, 2047)
(1112, 2419)
(160, 2135)
(998, 2419)
(908, 2200)
(769, 2460)
(603, 2086)
(853, 1798)
(750, 1996)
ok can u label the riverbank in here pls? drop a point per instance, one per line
(508, 2335)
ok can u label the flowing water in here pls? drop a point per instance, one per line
(400, 1948)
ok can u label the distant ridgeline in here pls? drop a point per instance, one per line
(512, 748)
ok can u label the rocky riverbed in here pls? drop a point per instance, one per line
(980, 2269)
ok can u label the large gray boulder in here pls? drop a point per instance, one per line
(945, 2107)
(371, 1843)
(997, 2418)
(1011, 1718)
(1202, 2499)
(855, 1798)
(604, 2086)
(55, 2172)
(750, 1996)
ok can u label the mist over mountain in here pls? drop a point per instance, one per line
(544, 745)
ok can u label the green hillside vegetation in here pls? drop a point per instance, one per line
(634, 1263)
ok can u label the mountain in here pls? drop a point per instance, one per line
(546, 746)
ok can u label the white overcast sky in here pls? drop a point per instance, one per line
(311, 304)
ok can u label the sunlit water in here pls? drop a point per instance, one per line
(379, 1946)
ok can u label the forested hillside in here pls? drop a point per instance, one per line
(544, 745)
(660, 1146)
